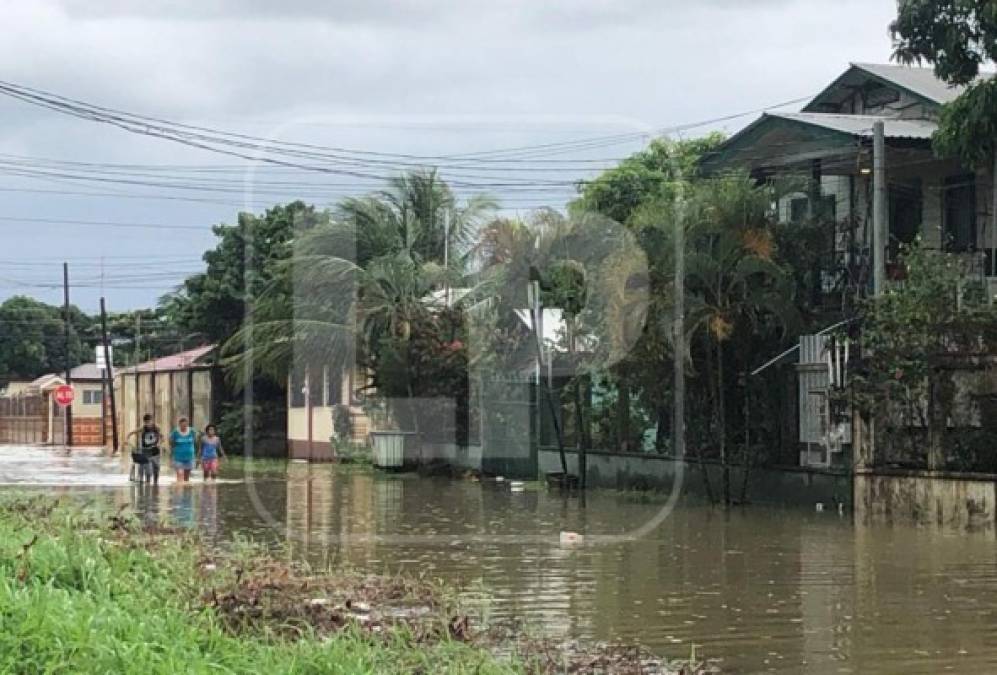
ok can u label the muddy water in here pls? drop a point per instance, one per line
(764, 590)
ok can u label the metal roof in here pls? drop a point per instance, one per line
(861, 125)
(46, 382)
(86, 371)
(179, 361)
(921, 81)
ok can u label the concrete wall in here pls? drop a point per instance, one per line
(468, 457)
(297, 424)
(790, 485)
(948, 500)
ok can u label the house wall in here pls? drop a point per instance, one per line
(907, 106)
(81, 409)
(838, 186)
(905, 167)
(322, 425)
(948, 500)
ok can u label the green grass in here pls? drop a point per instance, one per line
(86, 598)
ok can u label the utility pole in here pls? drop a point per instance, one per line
(879, 208)
(109, 376)
(678, 407)
(68, 437)
(138, 338)
(446, 257)
(993, 222)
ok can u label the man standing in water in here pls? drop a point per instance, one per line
(182, 442)
(147, 456)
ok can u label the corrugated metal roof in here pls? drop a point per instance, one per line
(178, 361)
(921, 81)
(47, 381)
(861, 125)
(86, 371)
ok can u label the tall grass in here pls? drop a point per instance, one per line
(76, 597)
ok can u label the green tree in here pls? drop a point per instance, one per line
(359, 285)
(619, 192)
(639, 193)
(736, 285)
(912, 340)
(33, 341)
(242, 264)
(957, 37)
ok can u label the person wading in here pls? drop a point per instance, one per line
(211, 452)
(146, 457)
(183, 440)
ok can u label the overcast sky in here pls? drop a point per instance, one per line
(407, 77)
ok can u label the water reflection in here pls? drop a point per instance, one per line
(766, 590)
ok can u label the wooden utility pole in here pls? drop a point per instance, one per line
(68, 437)
(880, 213)
(993, 221)
(109, 376)
(678, 407)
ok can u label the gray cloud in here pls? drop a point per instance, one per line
(412, 77)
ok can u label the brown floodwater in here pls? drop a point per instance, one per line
(762, 590)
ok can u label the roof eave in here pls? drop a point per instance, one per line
(809, 107)
(723, 155)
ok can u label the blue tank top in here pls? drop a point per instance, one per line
(183, 445)
(209, 447)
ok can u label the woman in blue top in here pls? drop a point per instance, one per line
(183, 440)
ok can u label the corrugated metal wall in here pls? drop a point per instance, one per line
(813, 386)
(202, 398)
(167, 396)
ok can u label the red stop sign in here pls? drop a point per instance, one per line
(64, 395)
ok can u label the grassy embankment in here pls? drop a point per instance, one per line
(83, 590)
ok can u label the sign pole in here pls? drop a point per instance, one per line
(68, 417)
(109, 377)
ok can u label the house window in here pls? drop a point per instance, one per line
(960, 213)
(92, 396)
(905, 215)
(315, 387)
(799, 209)
(296, 385)
(333, 386)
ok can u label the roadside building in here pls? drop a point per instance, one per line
(829, 143)
(313, 396)
(91, 421)
(828, 148)
(30, 415)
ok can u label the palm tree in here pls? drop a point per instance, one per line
(734, 283)
(361, 277)
(586, 266)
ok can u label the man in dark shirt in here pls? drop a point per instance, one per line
(146, 457)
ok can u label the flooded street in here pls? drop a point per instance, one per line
(763, 590)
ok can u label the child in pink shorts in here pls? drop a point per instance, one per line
(211, 452)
